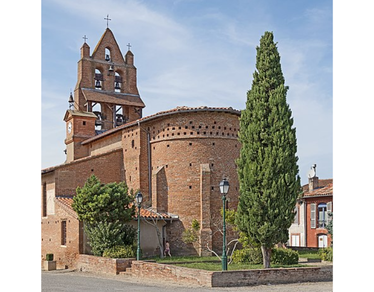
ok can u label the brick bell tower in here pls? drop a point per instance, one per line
(105, 96)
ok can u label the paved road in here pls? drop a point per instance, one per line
(80, 282)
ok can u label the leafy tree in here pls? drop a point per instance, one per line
(192, 235)
(267, 165)
(96, 202)
(104, 208)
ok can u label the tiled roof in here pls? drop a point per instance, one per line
(327, 190)
(321, 183)
(66, 203)
(112, 97)
(179, 109)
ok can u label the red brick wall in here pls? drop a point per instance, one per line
(107, 167)
(163, 272)
(51, 238)
(180, 144)
(94, 264)
(312, 233)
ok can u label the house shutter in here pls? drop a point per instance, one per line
(329, 210)
(313, 215)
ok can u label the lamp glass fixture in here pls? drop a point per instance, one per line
(224, 186)
(139, 198)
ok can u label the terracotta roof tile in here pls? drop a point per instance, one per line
(66, 203)
(321, 183)
(327, 190)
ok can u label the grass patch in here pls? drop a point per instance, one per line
(231, 267)
(191, 259)
(205, 263)
(309, 254)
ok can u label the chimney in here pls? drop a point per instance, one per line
(313, 183)
(313, 179)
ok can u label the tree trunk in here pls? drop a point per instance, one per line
(266, 253)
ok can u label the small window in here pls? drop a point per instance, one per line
(132, 144)
(63, 232)
(84, 123)
(322, 215)
(44, 214)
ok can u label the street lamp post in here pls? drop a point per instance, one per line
(139, 199)
(224, 189)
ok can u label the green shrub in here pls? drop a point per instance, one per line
(326, 254)
(104, 235)
(120, 251)
(247, 255)
(284, 256)
(253, 256)
(128, 234)
(49, 257)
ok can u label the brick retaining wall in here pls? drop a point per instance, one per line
(271, 276)
(231, 278)
(170, 272)
(90, 263)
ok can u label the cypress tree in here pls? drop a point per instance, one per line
(267, 165)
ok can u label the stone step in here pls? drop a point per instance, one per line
(126, 273)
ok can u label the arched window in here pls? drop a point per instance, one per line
(98, 79)
(107, 55)
(117, 82)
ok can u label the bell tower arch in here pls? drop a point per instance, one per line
(105, 96)
(108, 78)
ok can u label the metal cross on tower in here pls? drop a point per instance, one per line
(85, 38)
(129, 47)
(107, 20)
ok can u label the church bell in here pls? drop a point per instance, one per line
(97, 84)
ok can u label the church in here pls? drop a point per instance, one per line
(176, 158)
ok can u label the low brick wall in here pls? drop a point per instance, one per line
(230, 278)
(90, 263)
(271, 276)
(171, 272)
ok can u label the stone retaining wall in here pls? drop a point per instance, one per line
(231, 278)
(90, 263)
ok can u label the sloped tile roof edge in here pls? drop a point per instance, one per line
(326, 190)
(66, 201)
